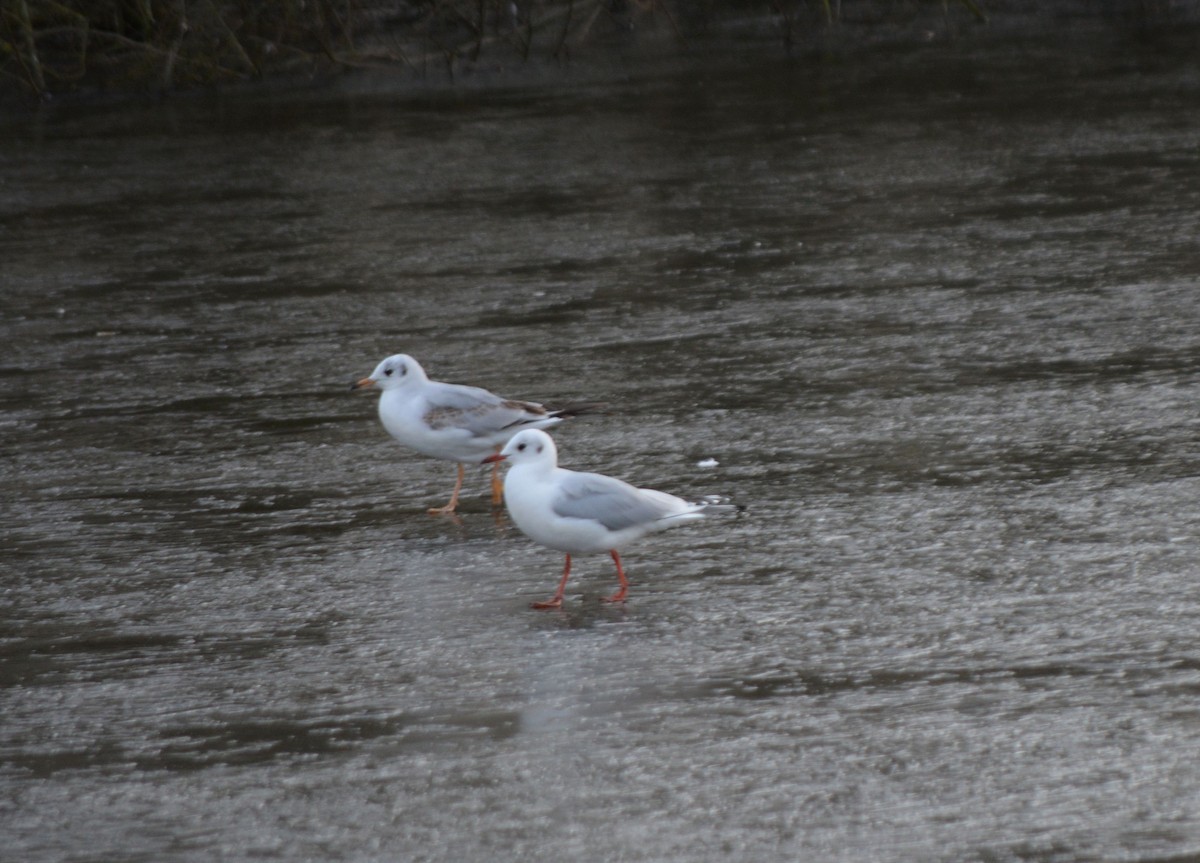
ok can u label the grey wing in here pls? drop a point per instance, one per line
(615, 504)
(475, 409)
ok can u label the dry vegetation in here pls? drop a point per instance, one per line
(49, 46)
(56, 46)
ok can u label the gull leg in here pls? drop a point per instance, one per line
(556, 601)
(497, 484)
(453, 504)
(623, 590)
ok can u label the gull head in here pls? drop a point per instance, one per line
(531, 446)
(396, 372)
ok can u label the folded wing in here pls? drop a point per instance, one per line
(477, 411)
(615, 504)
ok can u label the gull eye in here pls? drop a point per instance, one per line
(520, 447)
(388, 372)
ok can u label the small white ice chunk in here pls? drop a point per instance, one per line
(707, 462)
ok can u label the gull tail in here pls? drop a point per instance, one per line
(574, 409)
(691, 511)
(716, 504)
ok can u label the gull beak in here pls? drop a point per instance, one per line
(363, 384)
(494, 457)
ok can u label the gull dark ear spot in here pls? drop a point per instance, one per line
(540, 447)
(403, 370)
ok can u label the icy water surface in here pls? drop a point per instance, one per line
(932, 310)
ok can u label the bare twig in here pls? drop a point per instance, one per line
(585, 28)
(665, 6)
(173, 53)
(566, 28)
(35, 65)
(232, 38)
(974, 8)
(480, 30)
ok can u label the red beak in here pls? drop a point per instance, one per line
(494, 457)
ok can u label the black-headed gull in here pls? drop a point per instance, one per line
(583, 513)
(450, 421)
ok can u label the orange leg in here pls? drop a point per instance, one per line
(623, 589)
(497, 484)
(453, 504)
(556, 600)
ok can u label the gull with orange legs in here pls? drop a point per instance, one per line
(457, 423)
(584, 513)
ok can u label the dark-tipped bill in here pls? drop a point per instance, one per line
(363, 384)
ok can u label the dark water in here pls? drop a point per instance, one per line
(933, 310)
